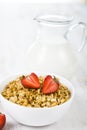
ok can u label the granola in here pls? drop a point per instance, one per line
(17, 93)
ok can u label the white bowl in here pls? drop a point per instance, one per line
(36, 116)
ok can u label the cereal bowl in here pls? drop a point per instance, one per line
(36, 116)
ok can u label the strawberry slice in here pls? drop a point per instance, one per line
(31, 81)
(49, 85)
(2, 120)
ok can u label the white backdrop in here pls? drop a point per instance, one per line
(18, 30)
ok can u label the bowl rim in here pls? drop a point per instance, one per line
(13, 77)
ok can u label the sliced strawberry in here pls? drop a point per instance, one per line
(2, 120)
(31, 81)
(49, 85)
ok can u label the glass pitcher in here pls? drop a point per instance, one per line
(52, 52)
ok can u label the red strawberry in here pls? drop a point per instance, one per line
(2, 120)
(49, 85)
(31, 81)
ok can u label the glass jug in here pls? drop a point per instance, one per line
(52, 52)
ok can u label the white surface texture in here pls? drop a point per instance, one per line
(17, 33)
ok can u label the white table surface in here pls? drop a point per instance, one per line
(17, 32)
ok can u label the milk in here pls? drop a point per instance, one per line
(56, 58)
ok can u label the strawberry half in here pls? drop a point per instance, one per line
(2, 120)
(49, 85)
(31, 81)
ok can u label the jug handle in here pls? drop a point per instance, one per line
(84, 37)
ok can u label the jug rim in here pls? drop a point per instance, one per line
(54, 19)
